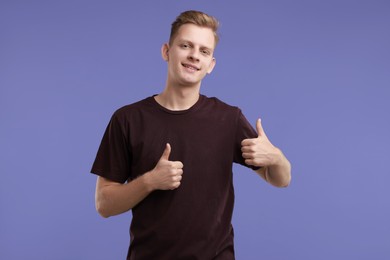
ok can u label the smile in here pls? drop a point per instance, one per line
(191, 67)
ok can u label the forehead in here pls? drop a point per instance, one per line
(202, 36)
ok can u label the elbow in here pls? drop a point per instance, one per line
(101, 205)
(284, 184)
(284, 180)
(281, 184)
(102, 211)
(287, 177)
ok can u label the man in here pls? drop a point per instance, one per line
(169, 157)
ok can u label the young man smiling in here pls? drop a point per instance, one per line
(169, 157)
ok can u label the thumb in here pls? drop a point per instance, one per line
(259, 128)
(166, 152)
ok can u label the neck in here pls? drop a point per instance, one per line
(178, 98)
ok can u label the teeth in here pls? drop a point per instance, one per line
(190, 67)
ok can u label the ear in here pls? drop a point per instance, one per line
(211, 66)
(164, 51)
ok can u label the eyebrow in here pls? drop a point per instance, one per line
(190, 42)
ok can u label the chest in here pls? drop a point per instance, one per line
(195, 140)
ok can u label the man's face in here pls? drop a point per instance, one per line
(190, 56)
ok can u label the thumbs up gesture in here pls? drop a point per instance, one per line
(260, 152)
(167, 174)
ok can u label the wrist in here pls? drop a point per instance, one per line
(148, 181)
(278, 158)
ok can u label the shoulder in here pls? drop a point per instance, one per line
(131, 112)
(216, 103)
(133, 107)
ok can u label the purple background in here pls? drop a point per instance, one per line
(316, 72)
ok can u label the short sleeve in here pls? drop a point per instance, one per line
(113, 158)
(244, 131)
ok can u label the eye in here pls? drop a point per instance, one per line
(185, 45)
(205, 52)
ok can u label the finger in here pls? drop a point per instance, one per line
(259, 128)
(254, 162)
(248, 142)
(249, 162)
(247, 155)
(247, 149)
(175, 185)
(177, 165)
(179, 172)
(167, 152)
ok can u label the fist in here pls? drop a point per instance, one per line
(167, 174)
(259, 151)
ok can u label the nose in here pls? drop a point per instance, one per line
(193, 55)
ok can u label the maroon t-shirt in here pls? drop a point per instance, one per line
(194, 220)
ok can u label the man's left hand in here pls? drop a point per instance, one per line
(259, 151)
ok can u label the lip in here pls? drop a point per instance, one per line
(190, 66)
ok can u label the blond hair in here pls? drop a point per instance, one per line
(195, 17)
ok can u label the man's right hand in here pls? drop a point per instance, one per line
(113, 198)
(167, 174)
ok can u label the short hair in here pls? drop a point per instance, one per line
(195, 17)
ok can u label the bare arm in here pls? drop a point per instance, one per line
(112, 198)
(278, 174)
(260, 152)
